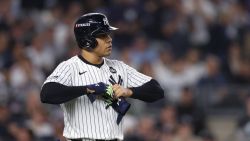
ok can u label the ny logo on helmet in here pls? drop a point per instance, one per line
(105, 21)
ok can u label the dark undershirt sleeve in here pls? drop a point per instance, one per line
(56, 93)
(148, 92)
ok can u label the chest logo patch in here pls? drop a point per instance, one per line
(112, 70)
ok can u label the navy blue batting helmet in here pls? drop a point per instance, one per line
(88, 26)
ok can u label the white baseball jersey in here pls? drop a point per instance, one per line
(82, 118)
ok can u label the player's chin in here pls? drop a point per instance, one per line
(107, 53)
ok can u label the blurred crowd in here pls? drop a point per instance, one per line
(185, 44)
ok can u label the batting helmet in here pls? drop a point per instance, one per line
(88, 26)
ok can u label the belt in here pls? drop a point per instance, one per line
(93, 140)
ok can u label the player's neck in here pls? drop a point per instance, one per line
(91, 58)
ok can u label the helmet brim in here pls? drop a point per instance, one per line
(106, 30)
(112, 28)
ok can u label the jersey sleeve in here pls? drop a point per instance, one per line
(135, 78)
(62, 74)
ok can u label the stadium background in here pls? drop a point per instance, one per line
(199, 50)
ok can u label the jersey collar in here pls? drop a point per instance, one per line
(87, 62)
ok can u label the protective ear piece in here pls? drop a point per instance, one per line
(87, 42)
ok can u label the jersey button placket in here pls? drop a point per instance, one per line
(102, 72)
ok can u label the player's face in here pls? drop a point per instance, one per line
(104, 46)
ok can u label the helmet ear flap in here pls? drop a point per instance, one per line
(87, 42)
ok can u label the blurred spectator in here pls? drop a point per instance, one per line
(214, 75)
(195, 68)
(175, 80)
(125, 16)
(5, 116)
(141, 52)
(146, 68)
(144, 131)
(63, 33)
(167, 122)
(200, 13)
(161, 66)
(125, 55)
(188, 110)
(173, 74)
(149, 18)
(185, 132)
(24, 75)
(41, 128)
(20, 132)
(179, 75)
(5, 52)
(238, 64)
(41, 55)
(32, 102)
(173, 26)
(166, 136)
(4, 90)
(207, 136)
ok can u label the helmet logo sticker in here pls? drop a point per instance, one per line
(82, 24)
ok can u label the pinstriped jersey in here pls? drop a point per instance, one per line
(83, 119)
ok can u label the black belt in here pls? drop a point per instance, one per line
(95, 140)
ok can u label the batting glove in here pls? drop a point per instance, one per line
(96, 90)
(108, 96)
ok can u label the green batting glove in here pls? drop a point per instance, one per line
(108, 96)
(109, 91)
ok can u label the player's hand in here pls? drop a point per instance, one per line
(120, 91)
(100, 89)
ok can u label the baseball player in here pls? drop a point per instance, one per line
(92, 89)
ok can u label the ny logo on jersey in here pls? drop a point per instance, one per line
(112, 80)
